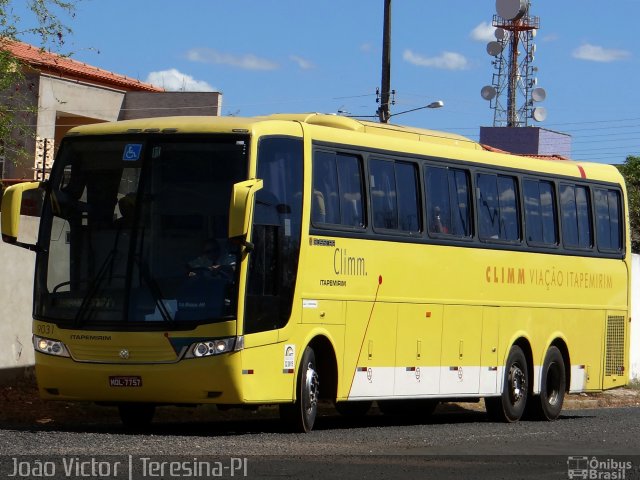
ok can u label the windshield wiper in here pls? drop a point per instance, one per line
(154, 288)
(107, 266)
(93, 288)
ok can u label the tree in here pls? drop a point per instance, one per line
(44, 24)
(631, 172)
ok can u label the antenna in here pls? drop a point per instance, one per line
(514, 90)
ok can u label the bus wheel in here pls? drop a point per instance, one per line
(548, 404)
(136, 416)
(353, 409)
(301, 415)
(509, 407)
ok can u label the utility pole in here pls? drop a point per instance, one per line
(385, 94)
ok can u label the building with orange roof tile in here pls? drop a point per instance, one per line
(66, 93)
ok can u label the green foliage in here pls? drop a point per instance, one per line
(631, 172)
(44, 20)
(44, 24)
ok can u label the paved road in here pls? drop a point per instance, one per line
(452, 445)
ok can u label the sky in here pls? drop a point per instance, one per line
(275, 56)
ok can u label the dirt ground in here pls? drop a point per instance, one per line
(20, 405)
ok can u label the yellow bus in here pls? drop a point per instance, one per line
(287, 259)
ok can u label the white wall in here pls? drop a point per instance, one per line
(16, 298)
(60, 95)
(635, 318)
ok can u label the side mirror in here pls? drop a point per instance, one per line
(241, 208)
(10, 216)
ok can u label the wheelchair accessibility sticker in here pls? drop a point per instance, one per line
(132, 152)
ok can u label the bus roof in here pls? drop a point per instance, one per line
(451, 145)
(197, 124)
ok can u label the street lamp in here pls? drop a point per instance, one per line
(436, 104)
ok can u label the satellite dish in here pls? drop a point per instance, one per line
(494, 48)
(488, 92)
(538, 94)
(511, 9)
(500, 33)
(539, 114)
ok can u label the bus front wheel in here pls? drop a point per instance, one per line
(510, 406)
(301, 415)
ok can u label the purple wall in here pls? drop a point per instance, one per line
(527, 140)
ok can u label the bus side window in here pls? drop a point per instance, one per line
(351, 191)
(383, 194)
(448, 202)
(325, 207)
(409, 212)
(608, 221)
(498, 211)
(576, 216)
(438, 211)
(540, 212)
(273, 263)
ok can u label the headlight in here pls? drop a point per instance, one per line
(208, 348)
(50, 347)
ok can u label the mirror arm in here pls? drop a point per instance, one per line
(29, 246)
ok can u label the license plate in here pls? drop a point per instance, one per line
(125, 381)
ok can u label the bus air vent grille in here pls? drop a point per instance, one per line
(614, 362)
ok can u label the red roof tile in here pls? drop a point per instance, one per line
(65, 67)
(555, 156)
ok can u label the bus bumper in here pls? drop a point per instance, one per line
(212, 379)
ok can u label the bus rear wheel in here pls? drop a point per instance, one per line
(136, 416)
(301, 415)
(510, 406)
(548, 404)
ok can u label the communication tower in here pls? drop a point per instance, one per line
(513, 93)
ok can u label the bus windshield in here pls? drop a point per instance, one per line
(134, 231)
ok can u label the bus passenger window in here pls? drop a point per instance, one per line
(338, 195)
(608, 221)
(383, 194)
(498, 212)
(438, 200)
(325, 207)
(540, 212)
(576, 216)
(448, 209)
(351, 192)
(394, 195)
(408, 204)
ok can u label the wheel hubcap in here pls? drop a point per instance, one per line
(517, 384)
(312, 388)
(553, 384)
